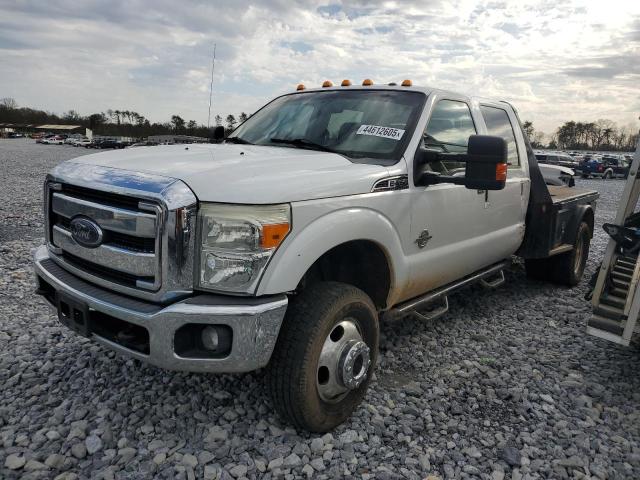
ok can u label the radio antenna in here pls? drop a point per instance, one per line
(213, 66)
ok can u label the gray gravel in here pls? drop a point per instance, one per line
(507, 385)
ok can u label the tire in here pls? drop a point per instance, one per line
(607, 176)
(296, 380)
(565, 268)
(568, 268)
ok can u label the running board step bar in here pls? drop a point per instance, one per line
(491, 277)
(435, 312)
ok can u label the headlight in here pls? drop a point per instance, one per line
(236, 242)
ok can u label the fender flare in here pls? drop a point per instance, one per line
(582, 212)
(301, 250)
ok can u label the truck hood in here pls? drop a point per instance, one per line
(247, 173)
(555, 169)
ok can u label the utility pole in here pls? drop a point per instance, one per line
(213, 66)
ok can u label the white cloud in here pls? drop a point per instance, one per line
(555, 61)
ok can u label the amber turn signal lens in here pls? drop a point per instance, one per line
(407, 83)
(501, 172)
(300, 87)
(345, 83)
(326, 84)
(272, 235)
(367, 82)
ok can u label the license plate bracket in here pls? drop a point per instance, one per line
(73, 314)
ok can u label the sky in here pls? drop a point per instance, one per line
(554, 60)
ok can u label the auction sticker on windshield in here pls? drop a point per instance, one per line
(377, 131)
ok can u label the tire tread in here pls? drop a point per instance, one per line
(301, 326)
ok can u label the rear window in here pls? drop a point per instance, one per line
(498, 124)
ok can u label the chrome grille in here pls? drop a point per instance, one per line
(143, 267)
(146, 221)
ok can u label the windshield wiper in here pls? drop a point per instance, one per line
(302, 143)
(239, 140)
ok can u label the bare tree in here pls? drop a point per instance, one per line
(8, 103)
(178, 122)
(231, 122)
(72, 116)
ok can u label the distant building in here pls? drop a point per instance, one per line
(59, 128)
(30, 128)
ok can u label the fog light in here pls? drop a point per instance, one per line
(197, 340)
(210, 339)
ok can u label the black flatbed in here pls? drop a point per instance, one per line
(564, 193)
(554, 215)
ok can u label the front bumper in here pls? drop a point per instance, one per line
(254, 322)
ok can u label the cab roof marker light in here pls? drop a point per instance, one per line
(327, 84)
(300, 86)
(407, 83)
(345, 83)
(367, 82)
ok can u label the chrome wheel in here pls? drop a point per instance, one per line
(344, 362)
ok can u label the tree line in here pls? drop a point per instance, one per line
(601, 135)
(115, 122)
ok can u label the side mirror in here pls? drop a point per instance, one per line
(486, 163)
(218, 133)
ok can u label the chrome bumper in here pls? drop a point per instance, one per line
(254, 322)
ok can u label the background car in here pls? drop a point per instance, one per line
(557, 175)
(42, 137)
(55, 140)
(606, 166)
(557, 158)
(110, 143)
(81, 142)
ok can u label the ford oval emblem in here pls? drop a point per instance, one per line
(86, 232)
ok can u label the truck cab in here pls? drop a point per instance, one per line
(283, 245)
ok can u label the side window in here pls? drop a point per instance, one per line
(448, 130)
(498, 124)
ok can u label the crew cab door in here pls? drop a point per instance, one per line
(450, 237)
(506, 209)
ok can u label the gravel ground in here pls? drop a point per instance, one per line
(507, 385)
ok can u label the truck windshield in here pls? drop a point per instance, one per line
(359, 124)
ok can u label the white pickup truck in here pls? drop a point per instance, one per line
(282, 245)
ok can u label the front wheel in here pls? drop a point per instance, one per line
(608, 175)
(325, 356)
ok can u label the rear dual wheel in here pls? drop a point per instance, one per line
(565, 268)
(325, 356)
